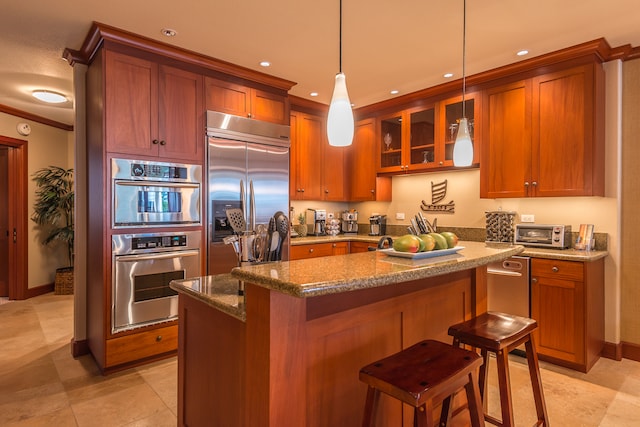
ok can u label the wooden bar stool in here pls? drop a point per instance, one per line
(422, 376)
(500, 333)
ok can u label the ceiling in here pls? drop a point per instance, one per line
(404, 45)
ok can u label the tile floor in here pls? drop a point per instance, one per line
(42, 385)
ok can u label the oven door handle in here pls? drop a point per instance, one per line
(158, 255)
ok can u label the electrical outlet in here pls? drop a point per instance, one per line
(527, 218)
(399, 215)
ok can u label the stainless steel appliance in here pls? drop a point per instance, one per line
(155, 193)
(543, 235)
(350, 222)
(248, 169)
(143, 267)
(377, 225)
(317, 218)
(508, 286)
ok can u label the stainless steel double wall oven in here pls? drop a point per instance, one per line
(146, 196)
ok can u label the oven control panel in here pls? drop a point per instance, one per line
(158, 170)
(153, 242)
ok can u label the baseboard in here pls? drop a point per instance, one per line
(79, 348)
(38, 290)
(631, 351)
(612, 351)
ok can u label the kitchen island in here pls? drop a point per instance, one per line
(288, 352)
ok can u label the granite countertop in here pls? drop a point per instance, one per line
(559, 254)
(220, 291)
(342, 273)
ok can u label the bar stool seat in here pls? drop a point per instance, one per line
(500, 333)
(422, 376)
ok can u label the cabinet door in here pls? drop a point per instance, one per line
(421, 146)
(505, 165)
(557, 304)
(180, 115)
(227, 97)
(131, 91)
(333, 172)
(269, 107)
(451, 112)
(306, 157)
(562, 158)
(364, 184)
(357, 247)
(310, 251)
(390, 146)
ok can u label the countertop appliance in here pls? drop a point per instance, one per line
(155, 194)
(143, 267)
(350, 222)
(317, 217)
(377, 225)
(248, 164)
(508, 286)
(543, 235)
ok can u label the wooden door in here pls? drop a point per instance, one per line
(131, 111)
(362, 162)
(269, 107)
(5, 233)
(333, 174)
(306, 163)
(180, 115)
(505, 165)
(227, 97)
(563, 134)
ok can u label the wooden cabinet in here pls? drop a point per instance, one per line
(567, 301)
(152, 109)
(364, 184)
(318, 250)
(356, 247)
(142, 345)
(239, 100)
(316, 168)
(421, 139)
(543, 136)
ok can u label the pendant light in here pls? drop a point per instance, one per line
(340, 120)
(463, 147)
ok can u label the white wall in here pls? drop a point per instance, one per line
(46, 146)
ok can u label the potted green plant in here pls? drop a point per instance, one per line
(53, 211)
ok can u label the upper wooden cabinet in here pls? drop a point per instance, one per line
(543, 136)
(317, 170)
(152, 109)
(239, 100)
(364, 184)
(421, 139)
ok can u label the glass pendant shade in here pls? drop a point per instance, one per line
(463, 147)
(340, 125)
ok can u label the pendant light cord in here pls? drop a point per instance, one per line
(340, 47)
(464, 48)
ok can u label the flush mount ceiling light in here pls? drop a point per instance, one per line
(463, 147)
(340, 126)
(49, 96)
(265, 63)
(168, 32)
(522, 52)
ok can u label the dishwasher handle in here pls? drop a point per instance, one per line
(503, 272)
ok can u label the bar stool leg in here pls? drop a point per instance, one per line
(370, 406)
(504, 383)
(474, 401)
(536, 383)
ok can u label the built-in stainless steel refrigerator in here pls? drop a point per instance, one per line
(248, 168)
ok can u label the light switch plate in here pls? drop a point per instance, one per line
(399, 215)
(527, 218)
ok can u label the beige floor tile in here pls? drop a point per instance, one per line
(60, 418)
(165, 418)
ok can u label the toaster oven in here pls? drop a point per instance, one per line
(544, 236)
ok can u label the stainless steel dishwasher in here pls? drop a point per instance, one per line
(508, 286)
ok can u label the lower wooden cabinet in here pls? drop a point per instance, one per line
(355, 247)
(318, 249)
(142, 345)
(567, 301)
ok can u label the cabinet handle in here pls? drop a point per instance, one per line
(401, 167)
(159, 338)
(534, 183)
(326, 191)
(249, 115)
(441, 163)
(555, 269)
(163, 142)
(311, 250)
(155, 142)
(526, 183)
(406, 167)
(534, 280)
(373, 191)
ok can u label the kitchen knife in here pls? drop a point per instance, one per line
(414, 224)
(421, 227)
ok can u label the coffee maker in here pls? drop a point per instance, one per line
(377, 225)
(350, 222)
(317, 218)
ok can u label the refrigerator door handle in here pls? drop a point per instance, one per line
(252, 207)
(243, 204)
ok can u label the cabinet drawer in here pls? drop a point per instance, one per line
(139, 346)
(318, 250)
(569, 270)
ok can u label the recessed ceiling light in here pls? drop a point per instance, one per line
(313, 94)
(265, 63)
(522, 52)
(168, 32)
(394, 92)
(448, 75)
(49, 96)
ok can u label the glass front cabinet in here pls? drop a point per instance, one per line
(421, 139)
